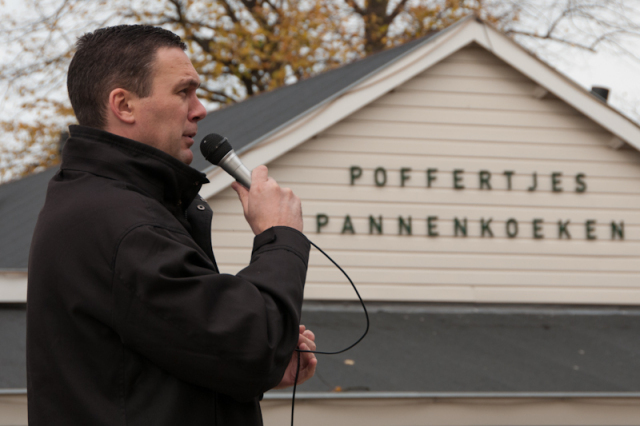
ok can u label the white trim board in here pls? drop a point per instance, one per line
(408, 66)
(561, 86)
(13, 287)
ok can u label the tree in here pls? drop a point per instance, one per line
(386, 23)
(239, 48)
(245, 47)
(585, 24)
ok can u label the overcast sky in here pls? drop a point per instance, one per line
(621, 74)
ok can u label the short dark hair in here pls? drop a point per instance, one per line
(112, 57)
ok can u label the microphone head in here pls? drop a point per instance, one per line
(214, 147)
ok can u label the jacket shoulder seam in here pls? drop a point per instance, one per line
(133, 228)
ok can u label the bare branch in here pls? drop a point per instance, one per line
(217, 96)
(273, 7)
(353, 5)
(554, 24)
(230, 12)
(568, 42)
(399, 7)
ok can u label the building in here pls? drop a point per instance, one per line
(487, 209)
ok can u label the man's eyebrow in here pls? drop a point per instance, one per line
(189, 82)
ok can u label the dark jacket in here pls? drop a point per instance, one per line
(129, 321)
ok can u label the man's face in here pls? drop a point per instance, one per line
(167, 119)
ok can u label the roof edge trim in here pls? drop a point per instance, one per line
(375, 89)
(561, 85)
(13, 286)
(286, 124)
(449, 395)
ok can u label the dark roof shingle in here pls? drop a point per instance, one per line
(20, 205)
(250, 121)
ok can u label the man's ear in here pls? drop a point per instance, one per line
(121, 105)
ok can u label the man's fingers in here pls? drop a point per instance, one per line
(308, 364)
(259, 174)
(311, 366)
(243, 194)
(309, 335)
(306, 357)
(270, 205)
(303, 340)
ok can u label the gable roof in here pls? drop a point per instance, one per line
(268, 125)
(383, 77)
(249, 122)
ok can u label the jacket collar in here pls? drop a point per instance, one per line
(153, 171)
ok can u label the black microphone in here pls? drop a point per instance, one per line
(217, 150)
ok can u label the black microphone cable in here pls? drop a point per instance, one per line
(217, 150)
(299, 351)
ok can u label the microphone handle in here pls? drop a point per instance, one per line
(231, 164)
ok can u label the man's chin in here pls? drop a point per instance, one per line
(186, 157)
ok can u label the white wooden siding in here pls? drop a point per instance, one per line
(452, 411)
(13, 287)
(472, 112)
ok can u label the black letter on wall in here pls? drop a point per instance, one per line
(402, 225)
(374, 224)
(486, 227)
(356, 172)
(321, 221)
(460, 226)
(431, 226)
(537, 228)
(535, 182)
(380, 172)
(590, 229)
(485, 177)
(404, 176)
(562, 229)
(430, 176)
(555, 182)
(347, 226)
(617, 229)
(581, 186)
(457, 180)
(508, 174)
(512, 228)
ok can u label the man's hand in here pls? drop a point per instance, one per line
(308, 361)
(267, 205)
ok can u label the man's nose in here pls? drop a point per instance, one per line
(198, 111)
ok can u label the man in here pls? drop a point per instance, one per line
(129, 321)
